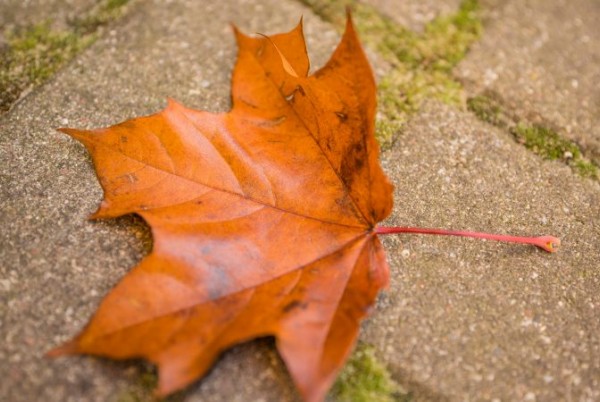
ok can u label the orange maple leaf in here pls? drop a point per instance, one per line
(263, 218)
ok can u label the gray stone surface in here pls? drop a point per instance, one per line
(414, 14)
(467, 319)
(542, 58)
(463, 319)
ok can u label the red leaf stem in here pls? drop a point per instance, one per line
(547, 243)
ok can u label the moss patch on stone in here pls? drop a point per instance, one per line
(545, 142)
(34, 53)
(365, 379)
(32, 56)
(421, 63)
(542, 141)
(487, 110)
(586, 168)
(550, 145)
(443, 43)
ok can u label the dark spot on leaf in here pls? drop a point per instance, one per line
(342, 116)
(352, 162)
(294, 304)
(328, 143)
(123, 138)
(344, 202)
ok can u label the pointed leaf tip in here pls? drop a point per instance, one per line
(68, 348)
(69, 131)
(73, 133)
(349, 21)
(286, 64)
(301, 24)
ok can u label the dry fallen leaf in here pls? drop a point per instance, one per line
(263, 218)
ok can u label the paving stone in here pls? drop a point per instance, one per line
(541, 57)
(473, 320)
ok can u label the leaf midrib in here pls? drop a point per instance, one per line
(243, 289)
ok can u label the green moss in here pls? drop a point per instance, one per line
(143, 391)
(545, 142)
(115, 4)
(489, 110)
(385, 131)
(586, 168)
(149, 380)
(485, 109)
(402, 92)
(550, 145)
(35, 53)
(127, 396)
(421, 63)
(447, 39)
(440, 47)
(365, 379)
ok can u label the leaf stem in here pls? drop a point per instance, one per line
(547, 243)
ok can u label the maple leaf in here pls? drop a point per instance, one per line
(263, 218)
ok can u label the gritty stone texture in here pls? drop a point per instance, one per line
(541, 57)
(463, 319)
(414, 14)
(466, 319)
